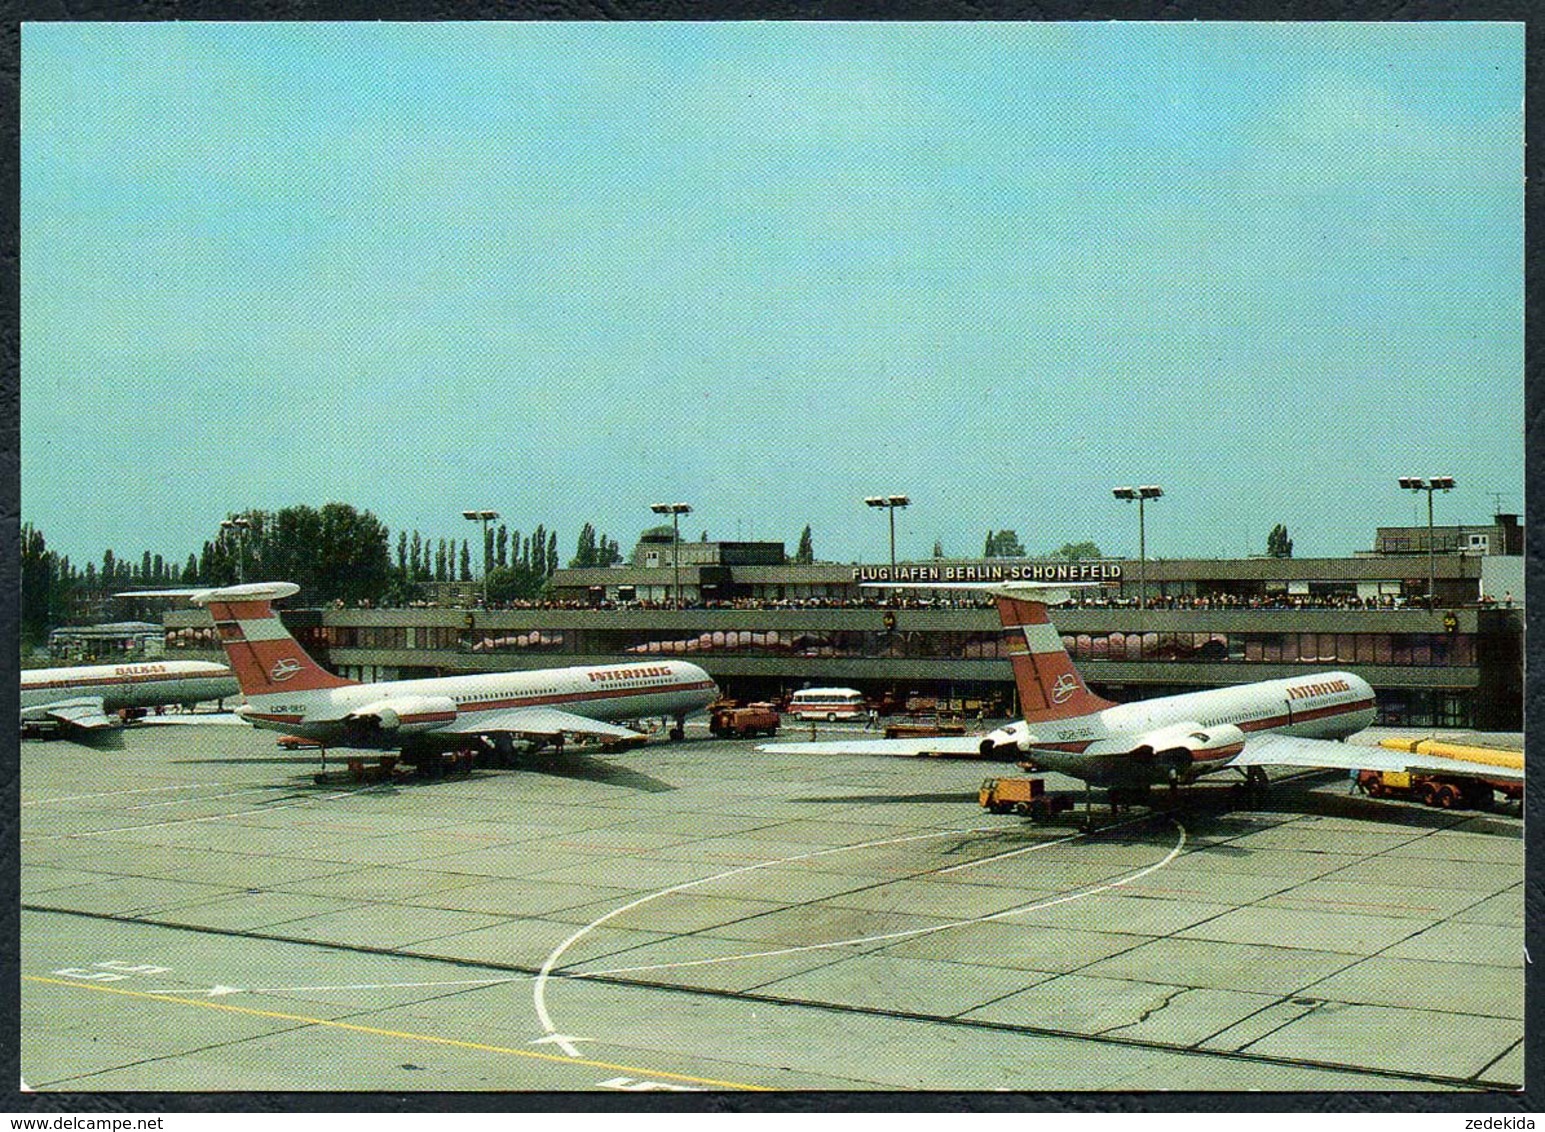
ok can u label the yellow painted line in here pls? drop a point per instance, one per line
(632, 1070)
(1485, 756)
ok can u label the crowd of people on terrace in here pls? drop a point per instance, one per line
(932, 600)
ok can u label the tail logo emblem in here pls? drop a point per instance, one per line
(284, 668)
(1063, 689)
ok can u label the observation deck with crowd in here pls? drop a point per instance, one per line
(764, 627)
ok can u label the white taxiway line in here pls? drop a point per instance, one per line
(120, 793)
(211, 817)
(539, 987)
(1026, 849)
(910, 932)
(211, 797)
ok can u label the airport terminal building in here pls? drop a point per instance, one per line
(763, 627)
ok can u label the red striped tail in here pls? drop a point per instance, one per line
(1049, 686)
(267, 660)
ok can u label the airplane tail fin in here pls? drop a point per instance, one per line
(267, 660)
(1049, 686)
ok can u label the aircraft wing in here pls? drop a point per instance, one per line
(1289, 750)
(537, 721)
(921, 745)
(84, 712)
(197, 719)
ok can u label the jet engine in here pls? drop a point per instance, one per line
(404, 715)
(1175, 751)
(1006, 742)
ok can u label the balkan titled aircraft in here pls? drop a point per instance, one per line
(1129, 748)
(288, 691)
(83, 701)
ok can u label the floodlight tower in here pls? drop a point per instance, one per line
(675, 511)
(890, 503)
(483, 517)
(1430, 485)
(241, 527)
(1142, 495)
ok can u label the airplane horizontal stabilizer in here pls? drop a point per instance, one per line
(251, 591)
(923, 745)
(537, 721)
(86, 714)
(1290, 750)
(200, 719)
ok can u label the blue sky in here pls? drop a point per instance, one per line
(568, 270)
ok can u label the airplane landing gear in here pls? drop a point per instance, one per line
(679, 732)
(359, 770)
(1255, 785)
(1119, 798)
(498, 750)
(1126, 797)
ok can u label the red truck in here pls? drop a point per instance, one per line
(731, 722)
(1446, 791)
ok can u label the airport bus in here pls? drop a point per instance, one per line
(830, 704)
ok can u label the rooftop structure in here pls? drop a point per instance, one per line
(1504, 535)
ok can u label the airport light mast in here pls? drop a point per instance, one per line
(890, 503)
(1435, 483)
(484, 517)
(241, 527)
(1142, 495)
(675, 511)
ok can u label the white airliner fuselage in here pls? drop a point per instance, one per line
(1210, 726)
(420, 707)
(1171, 739)
(287, 690)
(83, 696)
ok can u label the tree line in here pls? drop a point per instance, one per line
(1006, 544)
(334, 553)
(339, 553)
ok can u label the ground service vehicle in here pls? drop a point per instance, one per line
(830, 704)
(729, 721)
(1447, 792)
(1023, 796)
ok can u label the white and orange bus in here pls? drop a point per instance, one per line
(830, 704)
